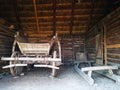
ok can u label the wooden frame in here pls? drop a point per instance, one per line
(86, 72)
(99, 69)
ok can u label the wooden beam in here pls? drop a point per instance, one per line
(65, 26)
(30, 59)
(61, 16)
(98, 68)
(14, 65)
(50, 22)
(105, 45)
(113, 46)
(50, 4)
(48, 66)
(50, 33)
(36, 16)
(58, 10)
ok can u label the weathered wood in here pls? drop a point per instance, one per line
(90, 80)
(105, 45)
(72, 16)
(48, 66)
(29, 59)
(112, 76)
(53, 64)
(113, 46)
(36, 15)
(15, 8)
(54, 17)
(16, 70)
(14, 65)
(34, 48)
(45, 54)
(98, 68)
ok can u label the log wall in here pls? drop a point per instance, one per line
(112, 25)
(113, 36)
(70, 46)
(6, 39)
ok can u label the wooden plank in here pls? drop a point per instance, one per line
(30, 59)
(42, 48)
(57, 17)
(98, 68)
(105, 45)
(13, 65)
(113, 46)
(48, 66)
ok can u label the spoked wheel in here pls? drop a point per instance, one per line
(16, 70)
(57, 50)
(56, 54)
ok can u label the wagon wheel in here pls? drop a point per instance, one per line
(15, 70)
(56, 54)
(57, 48)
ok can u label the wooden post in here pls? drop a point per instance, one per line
(53, 64)
(105, 45)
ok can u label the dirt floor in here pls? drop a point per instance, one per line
(67, 79)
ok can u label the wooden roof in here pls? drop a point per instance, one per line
(46, 17)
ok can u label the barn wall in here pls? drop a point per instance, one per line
(6, 39)
(113, 36)
(70, 46)
(95, 36)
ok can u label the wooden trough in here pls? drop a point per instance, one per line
(40, 54)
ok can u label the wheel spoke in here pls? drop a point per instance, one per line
(15, 70)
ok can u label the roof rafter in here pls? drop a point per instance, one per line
(36, 16)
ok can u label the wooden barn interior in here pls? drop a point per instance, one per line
(91, 27)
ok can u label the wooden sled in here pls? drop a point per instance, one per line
(86, 72)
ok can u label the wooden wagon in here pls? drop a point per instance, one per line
(39, 54)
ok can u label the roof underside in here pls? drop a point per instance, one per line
(46, 17)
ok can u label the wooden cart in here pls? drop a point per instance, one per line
(40, 54)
